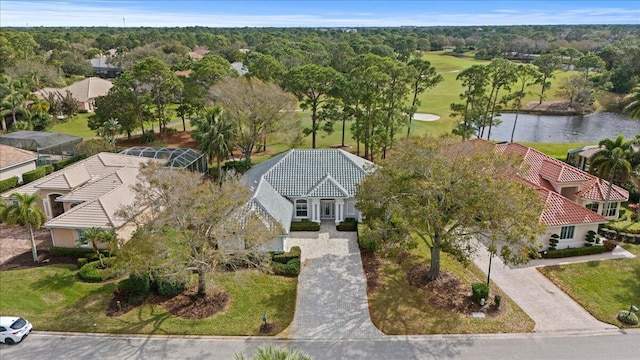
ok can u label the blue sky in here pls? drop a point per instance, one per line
(327, 13)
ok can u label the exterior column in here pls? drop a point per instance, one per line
(315, 210)
(339, 210)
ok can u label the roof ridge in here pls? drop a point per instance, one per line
(286, 155)
(348, 155)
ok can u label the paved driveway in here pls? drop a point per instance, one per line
(545, 303)
(332, 290)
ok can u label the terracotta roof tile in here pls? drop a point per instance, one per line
(10, 156)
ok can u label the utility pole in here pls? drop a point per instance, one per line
(123, 23)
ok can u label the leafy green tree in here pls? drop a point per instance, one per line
(424, 78)
(14, 98)
(547, 64)
(119, 103)
(590, 62)
(311, 84)
(527, 75)
(163, 82)
(502, 76)
(634, 106)
(612, 163)
(192, 225)
(209, 70)
(24, 211)
(265, 67)
(451, 192)
(214, 135)
(474, 80)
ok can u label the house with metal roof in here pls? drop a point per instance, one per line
(307, 184)
(574, 199)
(86, 194)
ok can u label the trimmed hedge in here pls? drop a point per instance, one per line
(48, 169)
(73, 252)
(166, 286)
(304, 225)
(91, 272)
(33, 175)
(292, 268)
(480, 291)
(562, 253)
(9, 183)
(284, 258)
(240, 166)
(349, 224)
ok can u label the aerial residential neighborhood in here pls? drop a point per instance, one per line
(319, 180)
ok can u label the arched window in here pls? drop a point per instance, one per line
(301, 208)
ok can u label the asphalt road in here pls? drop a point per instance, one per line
(610, 344)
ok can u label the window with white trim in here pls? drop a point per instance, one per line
(302, 208)
(566, 232)
(593, 207)
(611, 208)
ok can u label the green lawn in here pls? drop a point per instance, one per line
(602, 287)
(53, 299)
(625, 224)
(76, 126)
(398, 308)
(555, 150)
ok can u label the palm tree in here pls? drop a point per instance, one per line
(612, 164)
(24, 212)
(634, 107)
(14, 99)
(95, 236)
(214, 135)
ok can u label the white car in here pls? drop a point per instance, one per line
(13, 329)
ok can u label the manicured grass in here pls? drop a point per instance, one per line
(398, 308)
(76, 126)
(53, 299)
(625, 225)
(555, 150)
(602, 287)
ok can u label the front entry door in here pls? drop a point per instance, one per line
(327, 209)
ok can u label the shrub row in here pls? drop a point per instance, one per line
(240, 166)
(33, 175)
(292, 268)
(349, 224)
(588, 250)
(284, 258)
(91, 272)
(9, 183)
(304, 225)
(73, 252)
(169, 286)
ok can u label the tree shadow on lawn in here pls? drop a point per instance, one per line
(62, 279)
(631, 289)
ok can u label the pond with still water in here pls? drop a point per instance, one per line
(584, 128)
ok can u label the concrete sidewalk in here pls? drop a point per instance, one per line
(550, 308)
(332, 290)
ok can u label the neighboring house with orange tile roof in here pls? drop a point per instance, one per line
(86, 194)
(85, 92)
(15, 162)
(574, 200)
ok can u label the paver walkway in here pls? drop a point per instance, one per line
(550, 308)
(332, 290)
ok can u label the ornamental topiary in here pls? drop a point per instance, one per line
(553, 242)
(628, 317)
(590, 238)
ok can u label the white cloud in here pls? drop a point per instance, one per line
(98, 13)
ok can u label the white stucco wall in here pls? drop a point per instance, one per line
(578, 239)
(17, 170)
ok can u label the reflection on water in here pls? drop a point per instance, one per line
(588, 128)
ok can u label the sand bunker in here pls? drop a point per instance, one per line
(425, 117)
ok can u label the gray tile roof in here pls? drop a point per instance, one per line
(299, 172)
(267, 200)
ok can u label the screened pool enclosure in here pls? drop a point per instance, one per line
(176, 157)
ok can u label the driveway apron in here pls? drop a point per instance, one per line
(332, 290)
(550, 308)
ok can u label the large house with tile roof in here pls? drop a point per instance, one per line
(574, 200)
(15, 162)
(86, 194)
(84, 92)
(306, 184)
